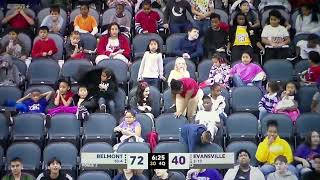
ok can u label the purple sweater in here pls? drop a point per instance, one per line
(305, 152)
(208, 174)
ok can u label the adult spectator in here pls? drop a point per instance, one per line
(16, 173)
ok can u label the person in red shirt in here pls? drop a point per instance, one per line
(45, 46)
(313, 73)
(185, 95)
(147, 20)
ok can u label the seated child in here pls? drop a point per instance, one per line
(305, 46)
(313, 73)
(208, 116)
(190, 47)
(74, 48)
(45, 46)
(315, 105)
(179, 71)
(247, 73)
(269, 101)
(84, 102)
(121, 18)
(85, 23)
(282, 172)
(14, 47)
(219, 72)
(34, 102)
(9, 73)
(288, 104)
(54, 21)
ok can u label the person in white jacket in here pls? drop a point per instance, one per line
(244, 170)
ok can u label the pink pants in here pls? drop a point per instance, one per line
(63, 109)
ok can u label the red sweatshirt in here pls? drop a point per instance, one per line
(123, 43)
(313, 73)
(41, 46)
(150, 22)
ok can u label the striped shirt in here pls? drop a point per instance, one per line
(269, 101)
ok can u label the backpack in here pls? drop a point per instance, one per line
(152, 139)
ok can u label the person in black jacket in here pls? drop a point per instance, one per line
(315, 174)
(86, 103)
(54, 172)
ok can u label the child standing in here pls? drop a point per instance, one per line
(105, 91)
(269, 101)
(74, 48)
(34, 102)
(14, 46)
(179, 71)
(289, 104)
(275, 37)
(45, 46)
(208, 116)
(54, 21)
(313, 73)
(219, 72)
(63, 100)
(85, 23)
(247, 73)
(151, 68)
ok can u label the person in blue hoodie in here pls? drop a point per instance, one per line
(190, 47)
(195, 135)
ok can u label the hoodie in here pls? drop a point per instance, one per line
(9, 73)
(46, 176)
(287, 176)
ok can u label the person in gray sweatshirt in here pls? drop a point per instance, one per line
(282, 172)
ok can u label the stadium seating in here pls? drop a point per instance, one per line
(38, 75)
(96, 175)
(172, 132)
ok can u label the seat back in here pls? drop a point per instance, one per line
(307, 123)
(96, 175)
(22, 67)
(171, 147)
(106, 16)
(191, 67)
(134, 147)
(11, 93)
(172, 43)
(204, 69)
(247, 145)
(4, 130)
(29, 126)
(265, 16)
(23, 38)
(279, 70)
(235, 120)
(171, 132)
(245, 98)
(120, 69)
(89, 41)
(46, 11)
(71, 68)
(305, 95)
(63, 126)
(141, 41)
(146, 124)
(167, 101)
(44, 71)
(134, 70)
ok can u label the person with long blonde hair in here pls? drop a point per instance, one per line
(179, 71)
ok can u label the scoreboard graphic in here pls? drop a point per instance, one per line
(157, 160)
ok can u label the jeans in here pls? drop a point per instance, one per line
(179, 28)
(262, 113)
(109, 103)
(237, 82)
(267, 169)
(202, 25)
(153, 82)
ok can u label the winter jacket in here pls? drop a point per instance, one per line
(193, 48)
(89, 102)
(9, 73)
(255, 173)
(123, 41)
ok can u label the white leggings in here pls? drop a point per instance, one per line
(118, 56)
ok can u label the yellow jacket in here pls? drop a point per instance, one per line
(267, 154)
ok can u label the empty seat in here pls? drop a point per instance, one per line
(71, 68)
(245, 99)
(279, 70)
(28, 152)
(99, 127)
(305, 95)
(89, 41)
(44, 71)
(21, 65)
(28, 127)
(146, 124)
(65, 128)
(171, 147)
(306, 123)
(169, 127)
(9, 93)
(4, 130)
(204, 70)
(247, 145)
(96, 175)
(134, 147)
(249, 127)
(285, 125)
(134, 70)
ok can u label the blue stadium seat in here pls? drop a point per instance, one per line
(21, 65)
(285, 125)
(134, 147)
(64, 128)
(279, 70)
(109, 13)
(167, 101)
(46, 11)
(89, 41)
(9, 93)
(209, 148)
(71, 68)
(141, 41)
(1, 158)
(28, 127)
(172, 43)
(248, 132)
(245, 99)
(306, 123)
(120, 69)
(154, 96)
(96, 175)
(28, 152)
(44, 71)
(146, 123)
(120, 101)
(249, 146)
(134, 70)
(204, 69)
(305, 95)
(171, 147)
(99, 128)
(4, 130)
(172, 132)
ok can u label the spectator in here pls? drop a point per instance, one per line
(242, 38)
(218, 101)
(74, 48)
(305, 46)
(14, 47)
(305, 152)
(271, 147)
(195, 135)
(114, 45)
(252, 17)
(44, 46)
(16, 167)
(179, 71)
(190, 47)
(219, 72)
(315, 174)
(54, 171)
(215, 39)
(244, 170)
(9, 73)
(208, 116)
(126, 174)
(176, 12)
(201, 13)
(54, 21)
(308, 20)
(34, 102)
(315, 105)
(148, 20)
(264, 4)
(121, 18)
(313, 73)
(151, 67)
(247, 73)
(185, 95)
(275, 37)
(269, 101)
(85, 23)
(20, 19)
(65, 4)
(194, 174)
(85, 102)
(288, 104)
(164, 174)
(282, 172)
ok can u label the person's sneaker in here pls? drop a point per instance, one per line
(103, 108)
